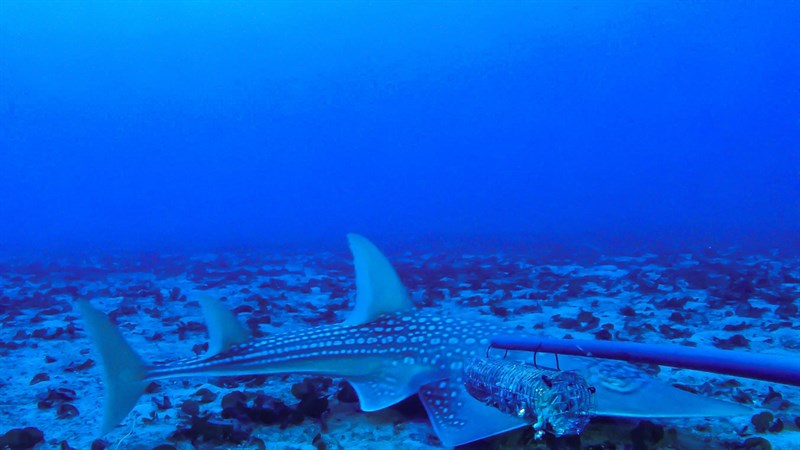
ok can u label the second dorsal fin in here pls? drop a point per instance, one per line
(224, 331)
(378, 288)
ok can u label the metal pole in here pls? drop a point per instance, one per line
(774, 368)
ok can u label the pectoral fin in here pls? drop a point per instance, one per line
(624, 390)
(658, 399)
(458, 418)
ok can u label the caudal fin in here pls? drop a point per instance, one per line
(124, 370)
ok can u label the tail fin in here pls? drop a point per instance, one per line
(124, 370)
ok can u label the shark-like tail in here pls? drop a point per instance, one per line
(124, 371)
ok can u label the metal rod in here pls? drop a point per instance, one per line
(774, 368)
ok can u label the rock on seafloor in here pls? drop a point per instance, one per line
(53, 395)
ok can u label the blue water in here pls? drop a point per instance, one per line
(153, 124)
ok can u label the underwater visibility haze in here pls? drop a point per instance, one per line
(179, 183)
(198, 122)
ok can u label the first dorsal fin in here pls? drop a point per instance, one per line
(378, 288)
(224, 331)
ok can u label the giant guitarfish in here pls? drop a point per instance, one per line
(387, 350)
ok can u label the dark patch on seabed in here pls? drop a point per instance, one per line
(51, 383)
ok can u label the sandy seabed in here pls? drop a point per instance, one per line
(50, 380)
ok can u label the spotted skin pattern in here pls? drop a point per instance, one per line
(400, 339)
(386, 349)
(387, 359)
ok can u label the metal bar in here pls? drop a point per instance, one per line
(774, 368)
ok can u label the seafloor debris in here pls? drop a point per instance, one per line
(738, 301)
(99, 444)
(312, 393)
(204, 430)
(753, 443)
(204, 395)
(21, 438)
(39, 377)
(66, 411)
(56, 397)
(646, 435)
(346, 393)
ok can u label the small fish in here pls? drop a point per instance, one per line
(388, 351)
